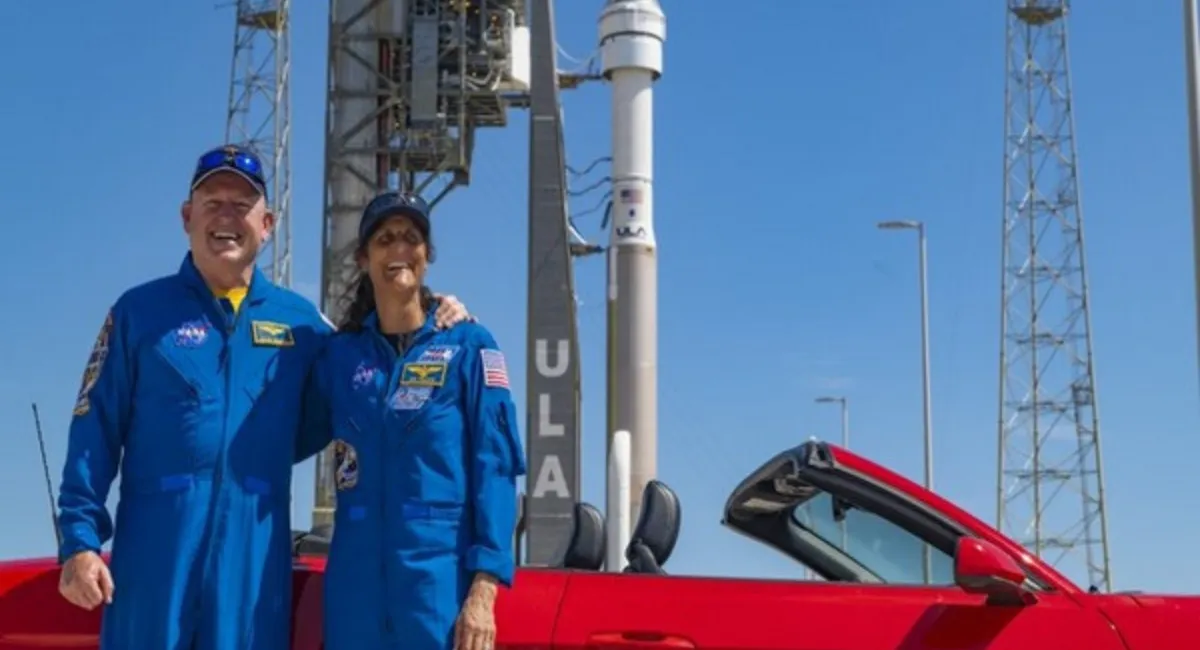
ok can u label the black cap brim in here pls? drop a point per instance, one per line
(418, 217)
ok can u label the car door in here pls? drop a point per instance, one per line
(899, 608)
(525, 614)
(623, 611)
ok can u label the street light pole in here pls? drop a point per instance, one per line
(925, 383)
(845, 416)
(845, 423)
(1192, 58)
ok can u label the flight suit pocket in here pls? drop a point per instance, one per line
(175, 405)
(175, 378)
(430, 525)
(264, 376)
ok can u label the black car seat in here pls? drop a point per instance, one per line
(657, 530)
(313, 542)
(586, 546)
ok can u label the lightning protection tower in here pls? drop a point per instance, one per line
(260, 115)
(1050, 488)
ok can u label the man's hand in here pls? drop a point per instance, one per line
(450, 312)
(85, 581)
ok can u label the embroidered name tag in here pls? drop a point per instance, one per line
(423, 374)
(268, 334)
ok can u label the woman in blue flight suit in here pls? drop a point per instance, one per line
(427, 450)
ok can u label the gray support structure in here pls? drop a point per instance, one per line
(409, 83)
(553, 375)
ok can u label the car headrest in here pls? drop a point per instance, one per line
(657, 530)
(585, 549)
(315, 542)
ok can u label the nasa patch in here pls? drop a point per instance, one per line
(411, 398)
(364, 375)
(192, 334)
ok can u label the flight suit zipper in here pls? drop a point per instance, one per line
(397, 360)
(230, 322)
(394, 372)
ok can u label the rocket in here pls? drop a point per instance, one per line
(632, 33)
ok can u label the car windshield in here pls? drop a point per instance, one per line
(882, 547)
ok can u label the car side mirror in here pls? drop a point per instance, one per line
(981, 568)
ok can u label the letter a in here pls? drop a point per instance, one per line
(551, 480)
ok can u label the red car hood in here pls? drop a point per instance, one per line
(1169, 602)
(1153, 621)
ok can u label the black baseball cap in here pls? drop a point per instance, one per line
(393, 204)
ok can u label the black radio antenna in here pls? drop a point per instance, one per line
(37, 423)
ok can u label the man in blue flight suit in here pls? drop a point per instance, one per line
(192, 391)
(427, 446)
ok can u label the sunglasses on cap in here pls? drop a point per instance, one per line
(231, 158)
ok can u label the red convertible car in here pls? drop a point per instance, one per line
(900, 568)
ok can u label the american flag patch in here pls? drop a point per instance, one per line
(495, 371)
(631, 196)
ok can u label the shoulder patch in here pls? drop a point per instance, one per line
(495, 370)
(91, 374)
(345, 459)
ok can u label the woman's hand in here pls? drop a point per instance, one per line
(476, 625)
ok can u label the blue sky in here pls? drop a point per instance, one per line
(783, 135)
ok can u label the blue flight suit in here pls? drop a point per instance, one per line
(427, 452)
(200, 406)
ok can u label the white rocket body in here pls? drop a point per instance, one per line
(632, 33)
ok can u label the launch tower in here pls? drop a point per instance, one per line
(409, 83)
(1050, 488)
(260, 116)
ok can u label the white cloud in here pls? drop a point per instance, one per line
(833, 383)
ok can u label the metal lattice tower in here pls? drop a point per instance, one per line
(409, 82)
(1050, 488)
(260, 115)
